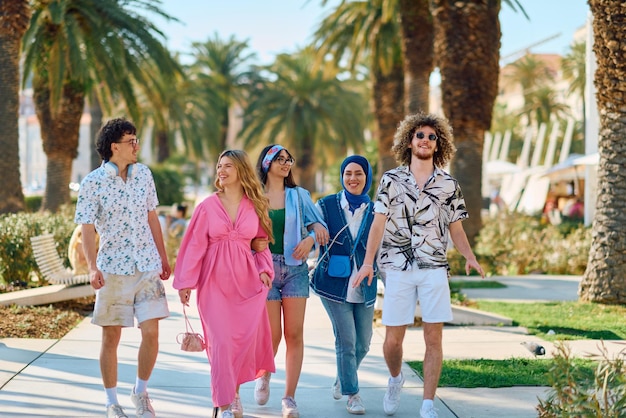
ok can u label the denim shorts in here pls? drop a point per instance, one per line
(289, 281)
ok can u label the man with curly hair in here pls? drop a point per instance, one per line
(417, 205)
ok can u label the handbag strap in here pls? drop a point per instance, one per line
(187, 322)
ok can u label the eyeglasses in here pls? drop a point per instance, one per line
(132, 142)
(283, 160)
(420, 135)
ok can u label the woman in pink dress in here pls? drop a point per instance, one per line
(231, 281)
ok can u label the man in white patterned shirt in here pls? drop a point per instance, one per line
(118, 200)
(417, 205)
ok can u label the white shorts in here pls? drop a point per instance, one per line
(124, 297)
(403, 289)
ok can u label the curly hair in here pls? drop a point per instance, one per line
(406, 129)
(110, 133)
(251, 187)
(289, 180)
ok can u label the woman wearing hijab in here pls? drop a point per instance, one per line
(348, 215)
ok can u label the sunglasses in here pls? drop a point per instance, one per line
(431, 137)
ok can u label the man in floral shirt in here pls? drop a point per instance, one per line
(417, 205)
(118, 200)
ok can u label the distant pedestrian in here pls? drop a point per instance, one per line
(417, 204)
(349, 215)
(119, 201)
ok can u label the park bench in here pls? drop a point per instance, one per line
(51, 265)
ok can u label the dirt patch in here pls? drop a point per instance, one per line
(50, 321)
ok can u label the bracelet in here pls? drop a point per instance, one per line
(367, 265)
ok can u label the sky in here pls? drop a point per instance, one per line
(281, 26)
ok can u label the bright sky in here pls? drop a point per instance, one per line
(276, 26)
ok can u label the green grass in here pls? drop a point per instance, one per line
(475, 284)
(569, 320)
(500, 373)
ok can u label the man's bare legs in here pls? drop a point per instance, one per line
(433, 333)
(149, 348)
(392, 348)
(108, 355)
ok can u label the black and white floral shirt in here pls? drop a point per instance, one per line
(119, 211)
(417, 220)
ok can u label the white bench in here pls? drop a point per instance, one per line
(51, 265)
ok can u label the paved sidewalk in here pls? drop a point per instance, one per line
(43, 378)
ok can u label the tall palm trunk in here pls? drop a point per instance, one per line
(605, 278)
(388, 95)
(467, 45)
(14, 18)
(95, 110)
(417, 49)
(306, 167)
(59, 133)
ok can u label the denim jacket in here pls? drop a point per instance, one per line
(300, 212)
(334, 288)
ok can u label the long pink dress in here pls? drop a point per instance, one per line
(215, 258)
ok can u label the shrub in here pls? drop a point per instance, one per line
(16, 255)
(514, 243)
(169, 185)
(575, 395)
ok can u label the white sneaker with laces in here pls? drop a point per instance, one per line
(391, 401)
(227, 414)
(428, 412)
(290, 409)
(236, 407)
(143, 405)
(115, 411)
(337, 390)
(262, 389)
(355, 405)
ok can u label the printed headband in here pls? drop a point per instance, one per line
(269, 157)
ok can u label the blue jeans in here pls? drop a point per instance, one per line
(352, 325)
(289, 281)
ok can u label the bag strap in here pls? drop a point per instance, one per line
(187, 322)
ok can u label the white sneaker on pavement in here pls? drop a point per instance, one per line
(290, 408)
(355, 405)
(337, 390)
(428, 412)
(143, 405)
(236, 407)
(391, 401)
(262, 389)
(115, 411)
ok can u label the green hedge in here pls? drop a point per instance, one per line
(16, 255)
(169, 185)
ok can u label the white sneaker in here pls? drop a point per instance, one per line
(355, 405)
(115, 411)
(262, 389)
(143, 405)
(236, 407)
(290, 409)
(391, 401)
(337, 390)
(429, 412)
(227, 414)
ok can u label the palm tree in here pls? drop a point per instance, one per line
(574, 70)
(69, 48)
(417, 49)
(308, 109)
(604, 280)
(221, 70)
(542, 103)
(367, 32)
(14, 18)
(467, 49)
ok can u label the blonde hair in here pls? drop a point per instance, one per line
(404, 135)
(251, 187)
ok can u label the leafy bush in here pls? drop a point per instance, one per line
(575, 395)
(16, 255)
(514, 243)
(169, 185)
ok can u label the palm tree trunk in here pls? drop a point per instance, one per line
(163, 146)
(95, 109)
(59, 134)
(417, 48)
(306, 166)
(467, 47)
(14, 21)
(604, 280)
(388, 94)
